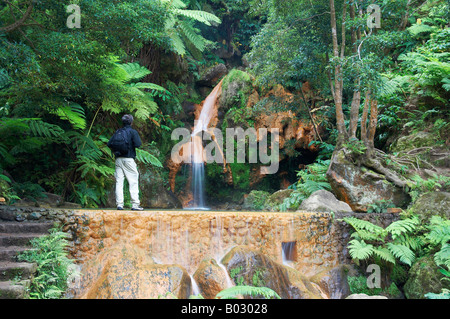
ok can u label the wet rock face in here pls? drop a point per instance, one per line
(127, 272)
(210, 278)
(250, 267)
(359, 187)
(333, 282)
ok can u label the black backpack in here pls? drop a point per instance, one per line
(120, 142)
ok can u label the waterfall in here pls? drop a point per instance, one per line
(195, 288)
(197, 154)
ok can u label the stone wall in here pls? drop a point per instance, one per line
(183, 237)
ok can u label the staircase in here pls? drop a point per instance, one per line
(15, 237)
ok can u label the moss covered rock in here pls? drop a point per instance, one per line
(273, 201)
(432, 203)
(255, 200)
(415, 140)
(424, 277)
(236, 88)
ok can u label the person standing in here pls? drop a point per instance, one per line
(123, 144)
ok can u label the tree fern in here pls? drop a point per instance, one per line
(134, 71)
(147, 158)
(200, 16)
(74, 113)
(192, 34)
(43, 129)
(236, 291)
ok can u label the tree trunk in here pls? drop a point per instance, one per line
(338, 80)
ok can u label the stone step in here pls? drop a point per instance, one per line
(20, 239)
(25, 227)
(14, 290)
(16, 270)
(10, 253)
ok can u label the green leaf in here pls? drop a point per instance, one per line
(403, 253)
(360, 250)
(235, 291)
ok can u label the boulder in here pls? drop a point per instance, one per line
(333, 282)
(125, 271)
(359, 186)
(212, 75)
(210, 278)
(424, 277)
(236, 88)
(432, 203)
(277, 198)
(252, 268)
(324, 201)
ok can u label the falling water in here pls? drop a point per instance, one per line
(195, 288)
(197, 154)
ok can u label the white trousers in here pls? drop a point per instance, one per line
(126, 168)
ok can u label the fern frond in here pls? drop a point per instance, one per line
(403, 226)
(43, 129)
(359, 249)
(74, 113)
(439, 230)
(89, 166)
(442, 257)
(147, 158)
(177, 43)
(235, 291)
(403, 253)
(192, 35)
(134, 70)
(385, 254)
(176, 3)
(198, 15)
(363, 227)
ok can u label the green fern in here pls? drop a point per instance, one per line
(236, 291)
(403, 253)
(74, 113)
(134, 71)
(396, 241)
(365, 229)
(360, 250)
(43, 129)
(442, 257)
(401, 227)
(147, 158)
(384, 254)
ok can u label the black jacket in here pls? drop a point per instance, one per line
(135, 141)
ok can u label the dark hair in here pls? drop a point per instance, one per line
(127, 119)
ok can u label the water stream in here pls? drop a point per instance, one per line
(197, 151)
